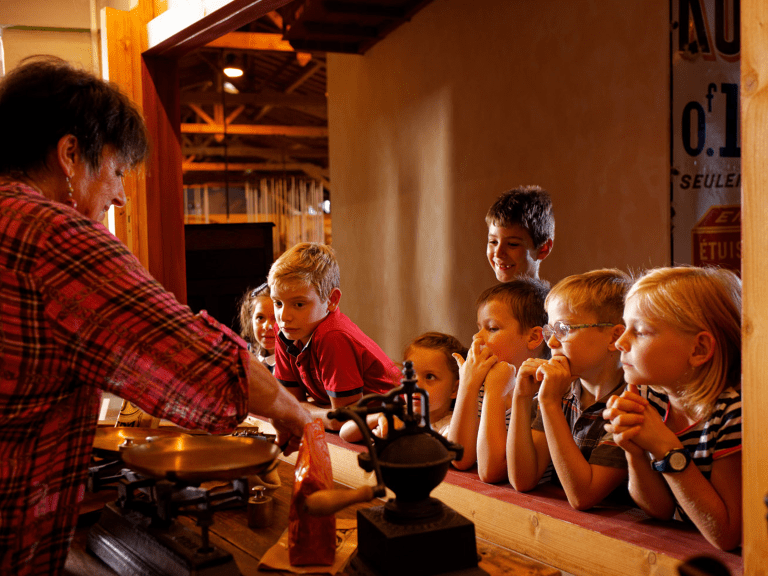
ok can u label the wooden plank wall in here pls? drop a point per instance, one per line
(123, 34)
(754, 149)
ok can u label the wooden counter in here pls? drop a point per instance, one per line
(542, 525)
(231, 533)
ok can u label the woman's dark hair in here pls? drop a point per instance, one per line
(46, 98)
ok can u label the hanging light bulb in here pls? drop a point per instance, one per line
(231, 69)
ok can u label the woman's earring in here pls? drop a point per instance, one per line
(70, 198)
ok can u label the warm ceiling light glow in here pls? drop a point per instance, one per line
(232, 72)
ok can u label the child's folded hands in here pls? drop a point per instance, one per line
(636, 425)
(556, 378)
(528, 378)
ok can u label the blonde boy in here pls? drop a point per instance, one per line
(509, 321)
(585, 320)
(321, 356)
(521, 231)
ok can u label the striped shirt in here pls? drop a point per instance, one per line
(711, 438)
(78, 313)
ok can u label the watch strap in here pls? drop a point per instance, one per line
(673, 461)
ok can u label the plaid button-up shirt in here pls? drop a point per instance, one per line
(78, 314)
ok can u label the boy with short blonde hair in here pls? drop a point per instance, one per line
(510, 317)
(322, 357)
(521, 232)
(585, 321)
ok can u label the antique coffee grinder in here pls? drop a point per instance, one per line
(412, 533)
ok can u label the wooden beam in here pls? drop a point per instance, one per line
(252, 166)
(294, 85)
(257, 130)
(313, 105)
(318, 173)
(315, 172)
(754, 214)
(304, 77)
(234, 114)
(188, 26)
(249, 98)
(240, 151)
(201, 114)
(252, 41)
(165, 198)
(276, 18)
(121, 36)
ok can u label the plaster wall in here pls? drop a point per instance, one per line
(63, 30)
(470, 99)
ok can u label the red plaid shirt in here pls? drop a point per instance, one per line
(78, 313)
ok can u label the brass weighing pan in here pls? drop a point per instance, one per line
(201, 458)
(111, 442)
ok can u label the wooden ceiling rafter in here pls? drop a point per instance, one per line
(190, 166)
(243, 151)
(291, 88)
(278, 119)
(256, 130)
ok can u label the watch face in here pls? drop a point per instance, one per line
(677, 461)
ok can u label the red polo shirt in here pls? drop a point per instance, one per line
(338, 361)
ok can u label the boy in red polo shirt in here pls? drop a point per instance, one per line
(321, 356)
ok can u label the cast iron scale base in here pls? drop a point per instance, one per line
(127, 542)
(157, 481)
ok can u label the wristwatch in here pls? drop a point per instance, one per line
(673, 461)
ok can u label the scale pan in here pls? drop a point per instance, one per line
(201, 458)
(108, 440)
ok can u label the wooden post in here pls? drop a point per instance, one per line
(123, 34)
(165, 193)
(754, 165)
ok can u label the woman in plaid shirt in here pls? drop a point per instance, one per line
(79, 314)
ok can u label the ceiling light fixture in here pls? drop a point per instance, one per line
(231, 68)
(229, 88)
(232, 72)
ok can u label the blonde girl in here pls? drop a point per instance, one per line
(257, 320)
(681, 354)
(436, 372)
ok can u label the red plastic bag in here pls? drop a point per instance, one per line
(311, 539)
